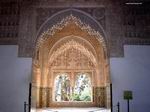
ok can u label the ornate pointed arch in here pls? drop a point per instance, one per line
(69, 45)
(63, 18)
(54, 55)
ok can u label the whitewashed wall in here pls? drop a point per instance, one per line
(15, 74)
(132, 72)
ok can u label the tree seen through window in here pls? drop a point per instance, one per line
(82, 90)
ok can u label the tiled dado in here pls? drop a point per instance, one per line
(100, 96)
(45, 98)
(41, 96)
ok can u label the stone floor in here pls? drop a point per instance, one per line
(92, 109)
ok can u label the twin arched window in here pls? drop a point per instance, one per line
(80, 91)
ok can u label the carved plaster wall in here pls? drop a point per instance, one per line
(44, 16)
(122, 24)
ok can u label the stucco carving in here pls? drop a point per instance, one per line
(122, 24)
(64, 22)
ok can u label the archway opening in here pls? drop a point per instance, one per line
(71, 66)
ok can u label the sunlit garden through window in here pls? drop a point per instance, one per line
(81, 91)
